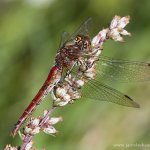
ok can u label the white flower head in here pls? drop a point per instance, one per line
(115, 35)
(124, 32)
(99, 38)
(35, 122)
(36, 130)
(123, 22)
(90, 75)
(117, 28)
(9, 147)
(31, 131)
(54, 120)
(80, 83)
(45, 112)
(60, 91)
(62, 103)
(50, 130)
(27, 130)
(67, 98)
(29, 146)
(114, 22)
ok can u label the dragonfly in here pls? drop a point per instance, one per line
(74, 52)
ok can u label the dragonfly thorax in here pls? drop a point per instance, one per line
(72, 51)
(67, 56)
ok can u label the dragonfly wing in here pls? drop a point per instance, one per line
(64, 37)
(122, 70)
(84, 28)
(99, 91)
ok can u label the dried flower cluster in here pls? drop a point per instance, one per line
(69, 90)
(34, 126)
(117, 28)
(9, 147)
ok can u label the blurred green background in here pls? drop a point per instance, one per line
(30, 33)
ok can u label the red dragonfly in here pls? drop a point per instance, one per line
(108, 69)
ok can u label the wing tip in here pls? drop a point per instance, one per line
(134, 104)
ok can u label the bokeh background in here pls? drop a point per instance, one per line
(30, 33)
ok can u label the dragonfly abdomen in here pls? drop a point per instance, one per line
(52, 79)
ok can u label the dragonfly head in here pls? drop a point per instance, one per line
(83, 42)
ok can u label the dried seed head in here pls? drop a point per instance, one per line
(115, 35)
(98, 40)
(29, 146)
(61, 92)
(79, 83)
(9, 147)
(117, 28)
(50, 130)
(114, 22)
(35, 122)
(61, 103)
(124, 32)
(123, 21)
(27, 130)
(54, 120)
(35, 131)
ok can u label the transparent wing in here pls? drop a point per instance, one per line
(64, 37)
(83, 29)
(99, 91)
(109, 69)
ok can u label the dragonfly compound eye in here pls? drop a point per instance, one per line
(78, 38)
(85, 45)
